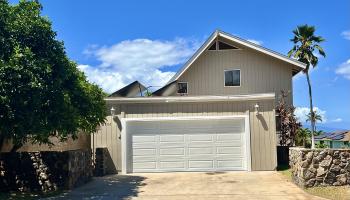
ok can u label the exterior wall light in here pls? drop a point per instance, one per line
(112, 111)
(257, 109)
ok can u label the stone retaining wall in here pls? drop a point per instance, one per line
(100, 161)
(320, 167)
(44, 171)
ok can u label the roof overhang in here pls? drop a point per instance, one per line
(132, 90)
(299, 66)
(189, 99)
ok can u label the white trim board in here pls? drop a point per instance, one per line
(124, 138)
(219, 33)
(174, 99)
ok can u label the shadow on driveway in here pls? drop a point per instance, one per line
(108, 187)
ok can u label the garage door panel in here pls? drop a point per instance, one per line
(172, 151)
(200, 137)
(200, 151)
(171, 144)
(172, 164)
(237, 143)
(144, 138)
(144, 152)
(192, 145)
(171, 138)
(230, 163)
(229, 150)
(226, 137)
(201, 164)
(144, 165)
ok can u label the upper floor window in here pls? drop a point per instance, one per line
(182, 87)
(218, 45)
(233, 77)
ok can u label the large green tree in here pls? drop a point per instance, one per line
(42, 93)
(306, 43)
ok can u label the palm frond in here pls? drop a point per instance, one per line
(320, 50)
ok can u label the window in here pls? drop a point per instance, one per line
(182, 87)
(233, 77)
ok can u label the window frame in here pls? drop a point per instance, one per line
(240, 78)
(177, 91)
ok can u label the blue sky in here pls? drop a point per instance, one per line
(115, 42)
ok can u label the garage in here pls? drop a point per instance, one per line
(215, 143)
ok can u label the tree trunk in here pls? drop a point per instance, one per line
(312, 114)
(15, 147)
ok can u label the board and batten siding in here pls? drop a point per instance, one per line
(260, 73)
(262, 127)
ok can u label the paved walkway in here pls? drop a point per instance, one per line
(179, 186)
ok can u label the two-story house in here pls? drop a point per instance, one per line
(216, 114)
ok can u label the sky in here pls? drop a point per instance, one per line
(117, 42)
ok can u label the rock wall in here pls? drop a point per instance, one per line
(320, 167)
(44, 171)
(100, 161)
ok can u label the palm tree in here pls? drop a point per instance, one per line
(305, 44)
(316, 118)
(303, 137)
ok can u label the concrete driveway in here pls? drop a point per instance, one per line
(173, 186)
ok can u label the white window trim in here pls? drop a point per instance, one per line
(125, 145)
(240, 77)
(178, 85)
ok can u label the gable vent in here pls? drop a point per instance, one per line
(219, 45)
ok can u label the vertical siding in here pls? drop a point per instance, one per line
(262, 127)
(260, 73)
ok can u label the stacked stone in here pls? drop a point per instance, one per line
(80, 169)
(100, 161)
(320, 167)
(42, 172)
(3, 181)
(45, 171)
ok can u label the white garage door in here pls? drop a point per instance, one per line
(186, 145)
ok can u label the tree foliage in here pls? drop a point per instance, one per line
(42, 93)
(303, 137)
(305, 44)
(287, 121)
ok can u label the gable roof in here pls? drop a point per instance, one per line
(167, 89)
(219, 33)
(132, 90)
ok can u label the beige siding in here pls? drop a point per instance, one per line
(260, 73)
(263, 137)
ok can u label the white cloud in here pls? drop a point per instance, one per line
(258, 42)
(346, 34)
(344, 69)
(302, 112)
(139, 59)
(337, 120)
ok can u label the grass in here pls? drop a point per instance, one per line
(329, 192)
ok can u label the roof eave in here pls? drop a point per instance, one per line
(188, 99)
